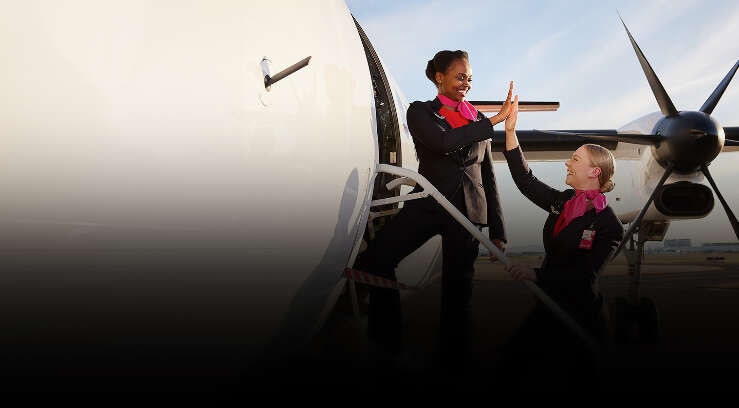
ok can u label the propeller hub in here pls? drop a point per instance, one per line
(692, 139)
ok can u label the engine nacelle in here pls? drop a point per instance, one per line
(684, 199)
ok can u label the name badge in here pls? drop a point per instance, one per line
(586, 242)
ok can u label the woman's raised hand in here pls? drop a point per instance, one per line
(505, 110)
(510, 121)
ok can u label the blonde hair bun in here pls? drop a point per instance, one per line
(607, 186)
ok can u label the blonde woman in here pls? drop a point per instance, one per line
(580, 233)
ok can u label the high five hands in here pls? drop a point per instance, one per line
(510, 121)
(510, 107)
(509, 113)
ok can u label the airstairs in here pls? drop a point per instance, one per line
(409, 177)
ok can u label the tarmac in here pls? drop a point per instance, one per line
(697, 297)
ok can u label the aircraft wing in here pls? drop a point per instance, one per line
(545, 145)
(560, 140)
(523, 106)
(551, 145)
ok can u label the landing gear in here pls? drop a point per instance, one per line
(635, 319)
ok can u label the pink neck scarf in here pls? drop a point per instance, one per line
(464, 108)
(577, 205)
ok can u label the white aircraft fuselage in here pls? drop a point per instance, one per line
(156, 193)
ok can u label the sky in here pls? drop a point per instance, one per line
(578, 54)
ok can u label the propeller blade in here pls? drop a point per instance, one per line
(638, 218)
(712, 100)
(665, 104)
(729, 213)
(613, 136)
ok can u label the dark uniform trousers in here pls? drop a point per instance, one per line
(411, 228)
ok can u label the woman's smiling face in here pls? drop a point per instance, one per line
(581, 175)
(456, 81)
